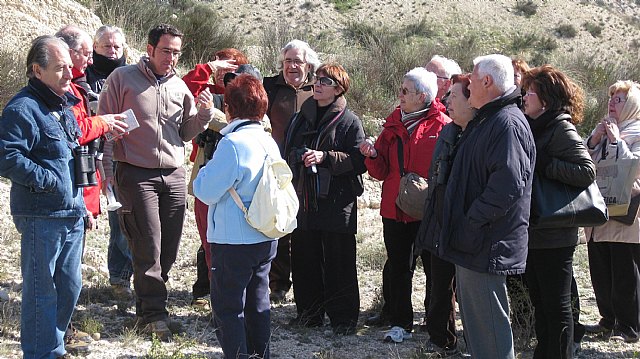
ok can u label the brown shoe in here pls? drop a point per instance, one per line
(160, 329)
(74, 334)
(121, 293)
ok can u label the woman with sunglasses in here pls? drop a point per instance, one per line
(614, 248)
(414, 126)
(321, 144)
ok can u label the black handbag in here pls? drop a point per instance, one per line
(558, 205)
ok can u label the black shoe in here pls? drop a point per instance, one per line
(596, 328)
(627, 337)
(377, 320)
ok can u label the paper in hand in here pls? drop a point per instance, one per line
(130, 119)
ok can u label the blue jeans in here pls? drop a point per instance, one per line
(51, 251)
(118, 254)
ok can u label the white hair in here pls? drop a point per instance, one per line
(424, 81)
(450, 66)
(310, 56)
(108, 29)
(498, 67)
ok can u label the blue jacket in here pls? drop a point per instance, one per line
(237, 162)
(488, 195)
(37, 134)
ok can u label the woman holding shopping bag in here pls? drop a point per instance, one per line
(614, 248)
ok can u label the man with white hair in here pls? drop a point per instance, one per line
(486, 207)
(444, 68)
(287, 91)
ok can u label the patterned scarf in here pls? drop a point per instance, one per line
(411, 120)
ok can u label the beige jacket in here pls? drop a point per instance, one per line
(165, 110)
(629, 147)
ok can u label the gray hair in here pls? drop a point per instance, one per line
(73, 36)
(40, 52)
(424, 81)
(310, 56)
(450, 66)
(108, 29)
(498, 67)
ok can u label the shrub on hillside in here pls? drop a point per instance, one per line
(526, 8)
(594, 29)
(204, 31)
(345, 5)
(566, 31)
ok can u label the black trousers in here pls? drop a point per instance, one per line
(441, 318)
(201, 287)
(280, 274)
(397, 274)
(616, 284)
(549, 273)
(325, 279)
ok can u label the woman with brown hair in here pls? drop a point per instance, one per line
(554, 104)
(321, 143)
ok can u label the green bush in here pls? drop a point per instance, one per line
(594, 29)
(526, 8)
(204, 31)
(566, 31)
(345, 5)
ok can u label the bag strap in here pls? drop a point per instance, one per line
(237, 200)
(401, 156)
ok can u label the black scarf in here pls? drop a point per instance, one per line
(105, 65)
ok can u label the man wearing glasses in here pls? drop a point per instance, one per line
(149, 177)
(286, 92)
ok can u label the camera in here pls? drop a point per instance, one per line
(298, 153)
(208, 142)
(85, 163)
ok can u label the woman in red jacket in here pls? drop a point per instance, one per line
(413, 126)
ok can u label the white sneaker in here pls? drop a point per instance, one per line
(397, 335)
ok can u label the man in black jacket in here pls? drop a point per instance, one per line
(486, 207)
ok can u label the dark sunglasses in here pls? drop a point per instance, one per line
(326, 81)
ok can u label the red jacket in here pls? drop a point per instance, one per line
(197, 80)
(92, 127)
(417, 150)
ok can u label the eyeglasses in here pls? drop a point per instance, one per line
(297, 62)
(404, 91)
(109, 46)
(326, 81)
(616, 100)
(442, 77)
(173, 54)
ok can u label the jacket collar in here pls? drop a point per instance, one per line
(50, 98)
(310, 106)
(486, 111)
(547, 119)
(143, 65)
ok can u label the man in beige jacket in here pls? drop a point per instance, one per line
(149, 176)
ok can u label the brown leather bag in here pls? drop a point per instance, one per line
(413, 189)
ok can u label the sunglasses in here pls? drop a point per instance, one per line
(405, 91)
(326, 81)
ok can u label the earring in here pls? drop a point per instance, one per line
(543, 109)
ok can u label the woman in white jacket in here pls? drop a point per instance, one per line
(614, 248)
(240, 255)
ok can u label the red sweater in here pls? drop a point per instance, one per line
(417, 150)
